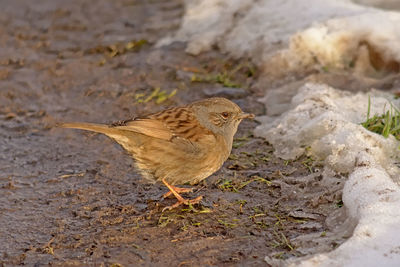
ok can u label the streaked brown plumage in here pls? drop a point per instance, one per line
(178, 145)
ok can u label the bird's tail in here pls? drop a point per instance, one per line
(94, 127)
(115, 133)
(128, 139)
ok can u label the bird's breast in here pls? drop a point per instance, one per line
(180, 160)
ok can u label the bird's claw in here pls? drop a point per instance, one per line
(185, 202)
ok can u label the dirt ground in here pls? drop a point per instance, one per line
(72, 198)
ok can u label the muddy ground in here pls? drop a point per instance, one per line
(72, 198)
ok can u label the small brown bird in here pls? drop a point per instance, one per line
(178, 145)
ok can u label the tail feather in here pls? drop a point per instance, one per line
(94, 127)
(127, 139)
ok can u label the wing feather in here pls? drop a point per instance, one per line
(149, 127)
(175, 122)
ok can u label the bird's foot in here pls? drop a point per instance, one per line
(185, 202)
(177, 190)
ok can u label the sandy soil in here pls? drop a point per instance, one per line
(72, 198)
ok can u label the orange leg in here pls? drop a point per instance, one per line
(177, 190)
(180, 199)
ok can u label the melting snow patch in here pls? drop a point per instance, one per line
(373, 200)
(243, 26)
(327, 122)
(336, 33)
(368, 42)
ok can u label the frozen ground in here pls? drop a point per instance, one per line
(329, 55)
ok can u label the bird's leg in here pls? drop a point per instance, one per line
(181, 200)
(177, 190)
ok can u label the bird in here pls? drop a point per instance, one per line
(179, 145)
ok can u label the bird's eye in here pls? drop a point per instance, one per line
(225, 115)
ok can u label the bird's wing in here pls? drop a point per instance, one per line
(169, 124)
(149, 127)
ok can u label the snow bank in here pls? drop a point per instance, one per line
(301, 33)
(326, 121)
(296, 35)
(241, 26)
(372, 198)
(350, 42)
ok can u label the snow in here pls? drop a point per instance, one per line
(327, 122)
(339, 41)
(373, 199)
(316, 118)
(240, 26)
(333, 33)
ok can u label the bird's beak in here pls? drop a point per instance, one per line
(243, 115)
